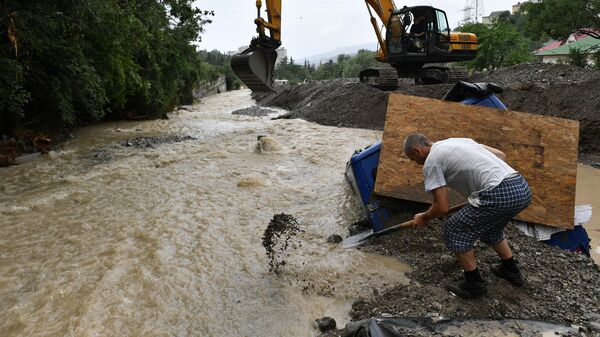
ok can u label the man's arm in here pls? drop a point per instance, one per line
(497, 152)
(438, 208)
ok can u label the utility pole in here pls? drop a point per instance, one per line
(473, 11)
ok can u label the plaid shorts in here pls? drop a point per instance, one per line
(497, 207)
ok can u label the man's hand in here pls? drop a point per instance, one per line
(437, 209)
(420, 219)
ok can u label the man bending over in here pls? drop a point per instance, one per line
(496, 194)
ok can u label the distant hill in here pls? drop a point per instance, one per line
(332, 55)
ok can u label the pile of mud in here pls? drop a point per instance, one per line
(340, 103)
(539, 88)
(561, 286)
(254, 111)
(537, 73)
(110, 151)
(153, 141)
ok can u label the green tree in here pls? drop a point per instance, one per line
(291, 71)
(325, 71)
(362, 60)
(68, 63)
(559, 18)
(500, 45)
(219, 63)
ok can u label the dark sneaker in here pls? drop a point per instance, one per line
(512, 277)
(468, 289)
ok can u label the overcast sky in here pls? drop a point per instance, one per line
(312, 27)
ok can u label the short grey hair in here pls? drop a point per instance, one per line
(415, 140)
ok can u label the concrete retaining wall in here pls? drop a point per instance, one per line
(211, 88)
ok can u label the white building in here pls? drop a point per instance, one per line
(281, 53)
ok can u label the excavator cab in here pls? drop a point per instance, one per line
(419, 44)
(416, 35)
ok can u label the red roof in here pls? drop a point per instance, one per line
(555, 44)
(551, 45)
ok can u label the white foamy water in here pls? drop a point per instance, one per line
(100, 239)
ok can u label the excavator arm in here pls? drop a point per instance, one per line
(255, 65)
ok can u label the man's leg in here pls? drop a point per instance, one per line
(511, 197)
(474, 285)
(459, 237)
(466, 260)
(507, 268)
(503, 250)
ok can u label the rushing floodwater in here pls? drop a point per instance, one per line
(98, 239)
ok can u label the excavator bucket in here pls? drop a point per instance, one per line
(254, 66)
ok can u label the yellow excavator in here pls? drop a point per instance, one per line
(415, 41)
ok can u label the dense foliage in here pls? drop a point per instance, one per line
(345, 66)
(500, 45)
(66, 63)
(559, 18)
(221, 64)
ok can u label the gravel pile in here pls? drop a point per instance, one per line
(561, 286)
(537, 73)
(254, 111)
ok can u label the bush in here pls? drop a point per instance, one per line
(596, 60)
(577, 58)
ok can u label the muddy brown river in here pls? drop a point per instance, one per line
(101, 239)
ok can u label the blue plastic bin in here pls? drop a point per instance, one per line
(364, 169)
(361, 171)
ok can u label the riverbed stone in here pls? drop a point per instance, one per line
(334, 238)
(326, 323)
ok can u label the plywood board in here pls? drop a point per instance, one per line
(543, 149)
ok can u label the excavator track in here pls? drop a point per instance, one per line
(456, 74)
(437, 74)
(380, 78)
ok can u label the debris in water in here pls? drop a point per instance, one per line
(109, 151)
(278, 237)
(325, 323)
(152, 141)
(251, 181)
(254, 111)
(266, 144)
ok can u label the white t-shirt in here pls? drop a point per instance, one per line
(464, 165)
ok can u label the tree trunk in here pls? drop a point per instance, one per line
(8, 119)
